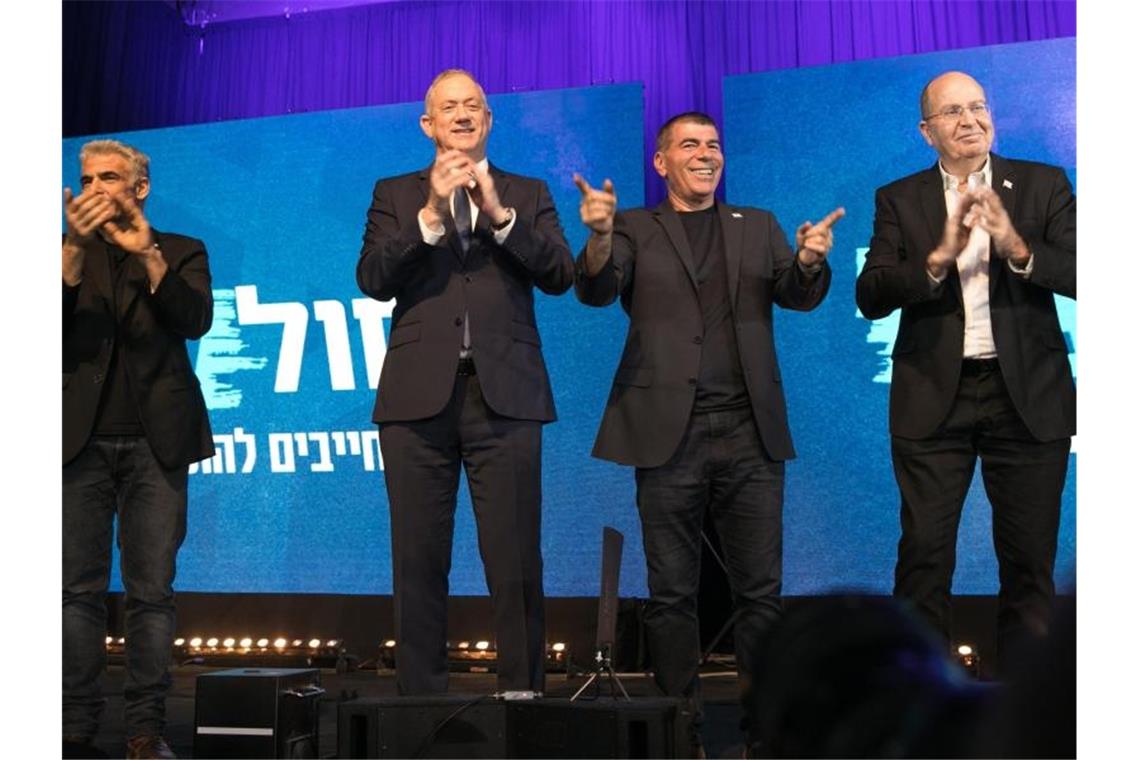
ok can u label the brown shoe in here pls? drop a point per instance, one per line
(148, 747)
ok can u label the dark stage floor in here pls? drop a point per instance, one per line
(721, 734)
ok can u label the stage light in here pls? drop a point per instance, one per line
(390, 643)
(212, 641)
(558, 647)
(967, 657)
(196, 642)
(482, 645)
(463, 645)
(331, 643)
(179, 641)
(122, 640)
(229, 642)
(314, 643)
(263, 643)
(298, 642)
(246, 643)
(280, 643)
(109, 640)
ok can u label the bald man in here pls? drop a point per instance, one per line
(972, 250)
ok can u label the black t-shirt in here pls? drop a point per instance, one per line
(720, 382)
(118, 409)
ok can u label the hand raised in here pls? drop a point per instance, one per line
(486, 197)
(989, 213)
(129, 229)
(598, 206)
(814, 240)
(85, 214)
(451, 169)
(955, 237)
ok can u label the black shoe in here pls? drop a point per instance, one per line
(77, 747)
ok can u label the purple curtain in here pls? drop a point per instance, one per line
(136, 65)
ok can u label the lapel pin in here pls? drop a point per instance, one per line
(737, 215)
(1007, 184)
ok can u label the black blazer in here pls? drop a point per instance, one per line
(909, 217)
(153, 329)
(652, 270)
(435, 285)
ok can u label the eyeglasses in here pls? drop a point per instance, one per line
(977, 110)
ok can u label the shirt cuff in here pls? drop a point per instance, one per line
(936, 281)
(1022, 271)
(501, 235)
(430, 236)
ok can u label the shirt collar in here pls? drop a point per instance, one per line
(983, 176)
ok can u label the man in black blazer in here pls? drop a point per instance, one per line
(973, 250)
(461, 245)
(133, 420)
(697, 404)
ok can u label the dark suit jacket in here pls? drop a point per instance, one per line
(153, 330)
(909, 217)
(652, 270)
(434, 286)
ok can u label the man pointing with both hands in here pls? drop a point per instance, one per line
(697, 405)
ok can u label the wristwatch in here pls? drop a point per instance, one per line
(503, 225)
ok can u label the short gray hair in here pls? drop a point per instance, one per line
(138, 161)
(444, 75)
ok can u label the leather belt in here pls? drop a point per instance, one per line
(977, 366)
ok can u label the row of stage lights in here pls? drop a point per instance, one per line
(477, 656)
(231, 644)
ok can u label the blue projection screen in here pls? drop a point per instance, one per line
(294, 500)
(801, 142)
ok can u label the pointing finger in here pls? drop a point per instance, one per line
(607, 186)
(833, 217)
(582, 184)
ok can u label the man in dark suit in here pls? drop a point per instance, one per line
(461, 245)
(697, 404)
(133, 420)
(973, 250)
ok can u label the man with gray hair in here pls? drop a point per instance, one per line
(461, 245)
(133, 420)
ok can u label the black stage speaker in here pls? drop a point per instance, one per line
(257, 712)
(453, 726)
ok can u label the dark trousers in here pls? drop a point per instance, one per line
(719, 467)
(503, 461)
(1023, 478)
(119, 476)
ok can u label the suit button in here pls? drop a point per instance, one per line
(692, 381)
(459, 321)
(98, 377)
(698, 339)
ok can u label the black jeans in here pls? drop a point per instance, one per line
(119, 476)
(1024, 479)
(719, 466)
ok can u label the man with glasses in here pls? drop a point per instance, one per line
(972, 250)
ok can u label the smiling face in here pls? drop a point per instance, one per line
(112, 175)
(457, 117)
(962, 141)
(691, 164)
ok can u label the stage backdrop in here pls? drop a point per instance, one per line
(801, 142)
(294, 501)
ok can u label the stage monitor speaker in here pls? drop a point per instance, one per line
(469, 726)
(257, 712)
(454, 726)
